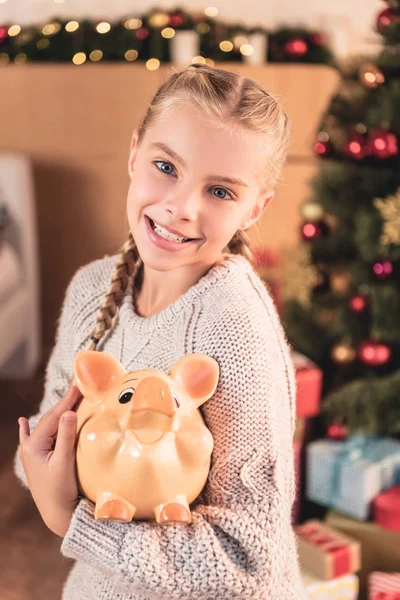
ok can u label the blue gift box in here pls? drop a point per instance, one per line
(348, 475)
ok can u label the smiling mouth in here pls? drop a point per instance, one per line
(153, 224)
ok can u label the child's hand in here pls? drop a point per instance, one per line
(50, 471)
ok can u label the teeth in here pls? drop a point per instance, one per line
(167, 235)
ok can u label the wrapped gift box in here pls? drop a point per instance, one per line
(380, 548)
(309, 385)
(341, 588)
(384, 586)
(325, 552)
(387, 509)
(347, 476)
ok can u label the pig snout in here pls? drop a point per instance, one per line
(153, 393)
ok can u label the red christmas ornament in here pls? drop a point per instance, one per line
(142, 33)
(311, 231)
(337, 431)
(357, 147)
(382, 269)
(358, 303)
(176, 19)
(322, 148)
(373, 353)
(386, 18)
(296, 47)
(3, 33)
(383, 143)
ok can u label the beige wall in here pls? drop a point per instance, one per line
(76, 122)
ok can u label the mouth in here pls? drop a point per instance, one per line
(153, 226)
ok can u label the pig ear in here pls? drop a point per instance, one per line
(198, 374)
(96, 371)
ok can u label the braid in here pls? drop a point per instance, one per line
(240, 244)
(126, 267)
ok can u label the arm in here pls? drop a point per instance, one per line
(240, 542)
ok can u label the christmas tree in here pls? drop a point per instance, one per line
(346, 312)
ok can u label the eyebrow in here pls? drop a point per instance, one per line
(134, 379)
(179, 159)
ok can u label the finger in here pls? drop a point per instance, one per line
(42, 439)
(24, 429)
(65, 444)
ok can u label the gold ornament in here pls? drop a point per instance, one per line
(371, 76)
(389, 209)
(299, 275)
(343, 353)
(340, 280)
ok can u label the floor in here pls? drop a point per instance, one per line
(31, 565)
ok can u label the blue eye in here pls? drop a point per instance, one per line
(164, 162)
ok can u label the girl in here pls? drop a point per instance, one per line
(203, 166)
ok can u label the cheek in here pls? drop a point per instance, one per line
(146, 187)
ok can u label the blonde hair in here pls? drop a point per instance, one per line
(232, 102)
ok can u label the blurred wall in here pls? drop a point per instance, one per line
(349, 23)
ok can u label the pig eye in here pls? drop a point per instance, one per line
(176, 400)
(126, 395)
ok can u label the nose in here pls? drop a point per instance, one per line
(153, 393)
(183, 203)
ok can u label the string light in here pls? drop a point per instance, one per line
(246, 49)
(168, 33)
(43, 44)
(96, 55)
(152, 64)
(71, 26)
(226, 46)
(200, 60)
(79, 58)
(131, 55)
(14, 30)
(51, 28)
(203, 28)
(103, 27)
(133, 24)
(211, 11)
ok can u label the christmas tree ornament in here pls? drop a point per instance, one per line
(389, 209)
(374, 353)
(357, 146)
(383, 143)
(312, 211)
(358, 303)
(3, 34)
(337, 431)
(371, 76)
(142, 33)
(343, 353)
(382, 269)
(340, 280)
(311, 231)
(318, 39)
(323, 146)
(299, 276)
(296, 47)
(177, 19)
(387, 17)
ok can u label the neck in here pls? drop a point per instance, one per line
(159, 289)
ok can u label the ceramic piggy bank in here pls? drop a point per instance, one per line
(143, 450)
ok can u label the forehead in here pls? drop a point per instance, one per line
(207, 146)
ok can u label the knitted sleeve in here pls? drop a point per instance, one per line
(240, 542)
(59, 369)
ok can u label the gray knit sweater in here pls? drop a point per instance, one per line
(240, 544)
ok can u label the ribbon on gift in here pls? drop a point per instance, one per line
(340, 552)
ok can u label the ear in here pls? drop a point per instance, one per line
(258, 210)
(96, 371)
(198, 375)
(133, 152)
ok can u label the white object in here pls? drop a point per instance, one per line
(259, 43)
(184, 46)
(19, 274)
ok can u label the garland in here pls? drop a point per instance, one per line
(150, 36)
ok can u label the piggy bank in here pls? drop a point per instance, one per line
(143, 450)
